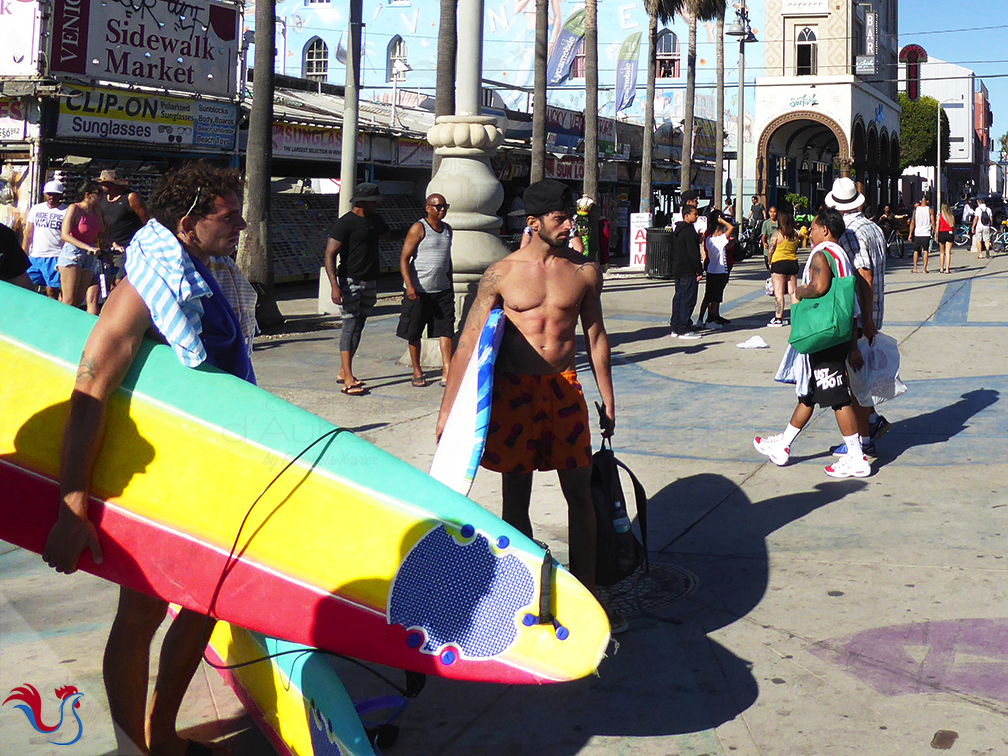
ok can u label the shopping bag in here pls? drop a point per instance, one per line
(878, 380)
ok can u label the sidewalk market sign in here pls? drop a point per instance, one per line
(124, 115)
(182, 45)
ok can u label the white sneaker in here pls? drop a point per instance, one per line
(850, 466)
(689, 335)
(714, 325)
(773, 447)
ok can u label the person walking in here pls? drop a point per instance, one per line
(983, 223)
(198, 217)
(125, 213)
(922, 224)
(783, 254)
(821, 378)
(353, 240)
(83, 236)
(687, 272)
(766, 230)
(538, 416)
(42, 240)
(865, 246)
(945, 237)
(429, 299)
(716, 241)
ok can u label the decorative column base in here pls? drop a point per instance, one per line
(465, 179)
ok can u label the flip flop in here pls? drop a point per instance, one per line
(420, 382)
(443, 383)
(339, 382)
(356, 390)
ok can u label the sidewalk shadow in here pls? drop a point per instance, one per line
(935, 427)
(668, 677)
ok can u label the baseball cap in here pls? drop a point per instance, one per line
(547, 196)
(53, 187)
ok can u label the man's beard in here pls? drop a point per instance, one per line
(553, 241)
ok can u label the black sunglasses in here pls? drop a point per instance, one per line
(441, 207)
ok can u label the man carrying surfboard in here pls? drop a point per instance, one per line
(539, 418)
(169, 294)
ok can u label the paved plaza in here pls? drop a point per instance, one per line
(787, 613)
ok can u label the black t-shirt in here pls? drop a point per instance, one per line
(13, 260)
(685, 251)
(358, 238)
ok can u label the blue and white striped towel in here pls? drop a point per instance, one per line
(167, 281)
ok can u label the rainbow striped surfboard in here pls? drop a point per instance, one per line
(349, 549)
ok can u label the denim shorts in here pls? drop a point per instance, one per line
(71, 255)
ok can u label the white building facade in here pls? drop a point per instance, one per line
(826, 105)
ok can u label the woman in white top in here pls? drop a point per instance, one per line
(922, 225)
(716, 241)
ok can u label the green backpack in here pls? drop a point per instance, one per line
(824, 322)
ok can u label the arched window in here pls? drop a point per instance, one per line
(316, 60)
(396, 51)
(806, 53)
(667, 55)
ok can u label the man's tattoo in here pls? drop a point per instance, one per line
(87, 368)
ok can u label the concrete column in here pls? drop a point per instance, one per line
(465, 142)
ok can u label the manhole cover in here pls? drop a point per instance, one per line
(642, 592)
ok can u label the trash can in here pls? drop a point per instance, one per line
(658, 258)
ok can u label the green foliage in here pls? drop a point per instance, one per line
(918, 134)
(1004, 146)
(797, 201)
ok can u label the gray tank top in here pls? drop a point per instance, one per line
(433, 259)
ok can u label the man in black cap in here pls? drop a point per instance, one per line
(539, 419)
(354, 240)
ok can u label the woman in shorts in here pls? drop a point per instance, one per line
(945, 237)
(718, 237)
(783, 255)
(82, 235)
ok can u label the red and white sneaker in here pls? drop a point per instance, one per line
(773, 447)
(850, 466)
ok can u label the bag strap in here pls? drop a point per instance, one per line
(640, 498)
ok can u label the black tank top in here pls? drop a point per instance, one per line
(122, 221)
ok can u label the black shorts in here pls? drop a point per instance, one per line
(921, 243)
(946, 237)
(433, 311)
(785, 267)
(829, 385)
(714, 290)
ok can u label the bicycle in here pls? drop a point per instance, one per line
(999, 240)
(895, 242)
(962, 235)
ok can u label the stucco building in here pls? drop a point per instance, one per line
(827, 103)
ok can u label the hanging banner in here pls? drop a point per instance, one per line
(626, 72)
(19, 37)
(565, 49)
(124, 115)
(182, 45)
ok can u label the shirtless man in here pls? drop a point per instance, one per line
(544, 289)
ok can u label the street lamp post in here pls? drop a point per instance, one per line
(941, 106)
(740, 28)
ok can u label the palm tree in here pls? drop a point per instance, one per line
(539, 94)
(444, 102)
(664, 11)
(703, 10)
(719, 135)
(591, 101)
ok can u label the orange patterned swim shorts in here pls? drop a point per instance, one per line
(537, 422)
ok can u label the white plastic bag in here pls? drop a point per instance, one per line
(768, 287)
(878, 381)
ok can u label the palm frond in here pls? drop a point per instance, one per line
(665, 10)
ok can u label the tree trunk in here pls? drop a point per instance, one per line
(685, 167)
(648, 147)
(255, 252)
(444, 102)
(719, 135)
(539, 96)
(591, 101)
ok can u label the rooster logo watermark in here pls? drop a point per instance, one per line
(31, 707)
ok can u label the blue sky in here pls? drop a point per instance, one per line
(934, 25)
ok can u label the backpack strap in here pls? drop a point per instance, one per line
(641, 502)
